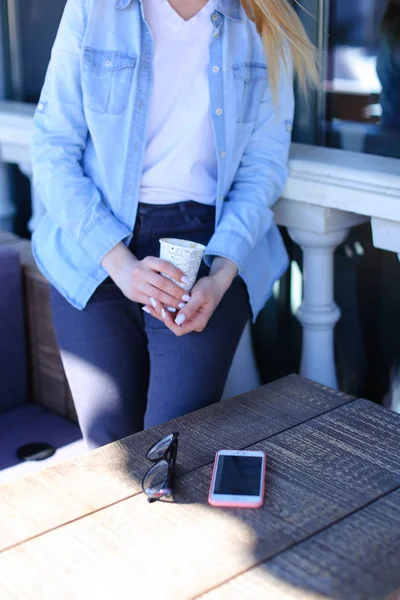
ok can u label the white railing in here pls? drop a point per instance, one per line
(328, 192)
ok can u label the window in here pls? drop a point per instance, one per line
(362, 78)
(32, 28)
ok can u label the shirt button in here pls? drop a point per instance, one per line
(215, 69)
(220, 198)
(40, 106)
(289, 127)
(219, 111)
(214, 17)
(223, 154)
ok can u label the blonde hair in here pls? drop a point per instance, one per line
(280, 28)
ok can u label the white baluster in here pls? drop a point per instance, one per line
(318, 313)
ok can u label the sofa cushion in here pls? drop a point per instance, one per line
(13, 359)
(29, 423)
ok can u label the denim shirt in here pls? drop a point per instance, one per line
(90, 136)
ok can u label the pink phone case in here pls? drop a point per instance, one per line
(238, 504)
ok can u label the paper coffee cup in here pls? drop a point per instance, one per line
(185, 255)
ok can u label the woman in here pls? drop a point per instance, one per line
(161, 119)
(388, 66)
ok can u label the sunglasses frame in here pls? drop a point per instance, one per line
(169, 457)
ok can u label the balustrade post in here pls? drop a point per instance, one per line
(318, 313)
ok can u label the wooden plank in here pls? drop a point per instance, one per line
(87, 483)
(261, 584)
(357, 558)
(316, 476)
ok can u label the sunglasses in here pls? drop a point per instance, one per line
(160, 478)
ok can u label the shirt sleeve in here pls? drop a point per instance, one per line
(59, 139)
(260, 179)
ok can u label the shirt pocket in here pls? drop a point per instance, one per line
(251, 83)
(107, 79)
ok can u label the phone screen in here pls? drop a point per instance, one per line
(238, 475)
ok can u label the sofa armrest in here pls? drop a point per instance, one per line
(13, 363)
(47, 382)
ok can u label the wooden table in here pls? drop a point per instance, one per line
(330, 526)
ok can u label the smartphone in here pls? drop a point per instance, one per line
(238, 479)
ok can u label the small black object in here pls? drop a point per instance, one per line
(159, 480)
(35, 451)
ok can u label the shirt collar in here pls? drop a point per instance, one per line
(229, 8)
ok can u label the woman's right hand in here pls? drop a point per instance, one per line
(141, 280)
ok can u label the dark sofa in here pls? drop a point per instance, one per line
(23, 417)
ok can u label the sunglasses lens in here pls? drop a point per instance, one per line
(157, 479)
(160, 448)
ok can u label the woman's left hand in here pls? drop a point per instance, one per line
(205, 297)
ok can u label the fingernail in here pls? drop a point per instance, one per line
(180, 319)
(186, 298)
(185, 280)
(163, 314)
(172, 309)
(146, 310)
(181, 304)
(153, 302)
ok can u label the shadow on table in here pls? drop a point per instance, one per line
(273, 548)
(286, 550)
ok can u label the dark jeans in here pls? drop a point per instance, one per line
(126, 370)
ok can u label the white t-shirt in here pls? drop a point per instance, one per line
(180, 161)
